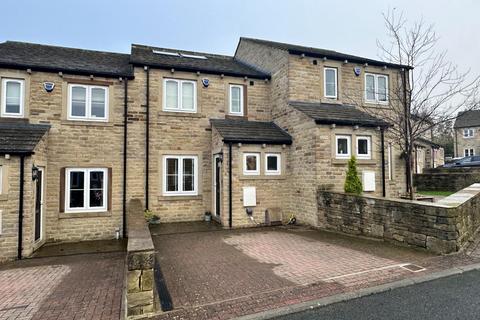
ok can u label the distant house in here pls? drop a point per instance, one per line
(466, 133)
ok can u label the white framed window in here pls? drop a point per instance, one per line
(376, 88)
(468, 152)
(364, 147)
(330, 83)
(468, 133)
(180, 175)
(273, 164)
(236, 100)
(251, 164)
(86, 189)
(343, 145)
(12, 98)
(179, 95)
(87, 103)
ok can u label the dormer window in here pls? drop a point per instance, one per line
(12, 99)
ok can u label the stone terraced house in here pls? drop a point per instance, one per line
(249, 138)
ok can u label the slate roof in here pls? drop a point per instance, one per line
(340, 114)
(320, 53)
(22, 55)
(215, 64)
(428, 142)
(16, 138)
(466, 119)
(254, 132)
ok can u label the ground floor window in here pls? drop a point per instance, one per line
(86, 189)
(364, 147)
(342, 146)
(469, 152)
(272, 164)
(180, 175)
(251, 163)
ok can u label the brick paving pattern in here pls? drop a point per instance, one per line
(228, 274)
(69, 287)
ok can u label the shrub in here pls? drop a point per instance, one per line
(352, 181)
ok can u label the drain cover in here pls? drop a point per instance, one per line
(413, 267)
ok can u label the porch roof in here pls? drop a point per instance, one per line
(20, 138)
(341, 114)
(254, 132)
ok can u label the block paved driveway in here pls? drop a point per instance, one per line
(86, 286)
(224, 274)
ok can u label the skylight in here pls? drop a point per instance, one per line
(192, 56)
(166, 53)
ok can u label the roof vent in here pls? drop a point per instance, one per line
(193, 56)
(166, 53)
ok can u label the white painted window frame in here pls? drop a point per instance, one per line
(375, 88)
(367, 156)
(277, 172)
(325, 83)
(468, 152)
(86, 190)
(349, 146)
(88, 101)
(3, 111)
(179, 107)
(180, 159)
(241, 100)
(470, 132)
(251, 172)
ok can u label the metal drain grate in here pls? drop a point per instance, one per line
(413, 268)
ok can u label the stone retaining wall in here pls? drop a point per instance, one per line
(140, 263)
(443, 179)
(441, 227)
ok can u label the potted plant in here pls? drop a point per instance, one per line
(208, 216)
(151, 217)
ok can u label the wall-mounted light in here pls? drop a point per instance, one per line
(34, 173)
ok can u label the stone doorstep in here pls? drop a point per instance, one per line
(309, 305)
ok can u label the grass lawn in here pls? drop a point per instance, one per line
(435, 193)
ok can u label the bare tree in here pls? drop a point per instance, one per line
(428, 91)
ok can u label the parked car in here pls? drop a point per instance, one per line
(472, 161)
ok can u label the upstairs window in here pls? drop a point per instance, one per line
(180, 175)
(376, 88)
(236, 100)
(12, 98)
(330, 83)
(468, 133)
(180, 95)
(88, 103)
(86, 190)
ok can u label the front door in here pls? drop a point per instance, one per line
(217, 174)
(39, 205)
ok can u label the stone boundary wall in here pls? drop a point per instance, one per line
(442, 227)
(443, 179)
(140, 263)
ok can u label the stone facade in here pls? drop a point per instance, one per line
(463, 143)
(446, 179)
(443, 227)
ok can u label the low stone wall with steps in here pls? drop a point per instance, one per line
(441, 227)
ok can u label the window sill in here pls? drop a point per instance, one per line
(359, 162)
(74, 215)
(86, 123)
(195, 114)
(179, 198)
(263, 177)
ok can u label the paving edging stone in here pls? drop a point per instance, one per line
(309, 305)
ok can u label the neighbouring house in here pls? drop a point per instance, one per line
(249, 138)
(466, 134)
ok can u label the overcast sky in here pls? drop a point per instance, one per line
(215, 25)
